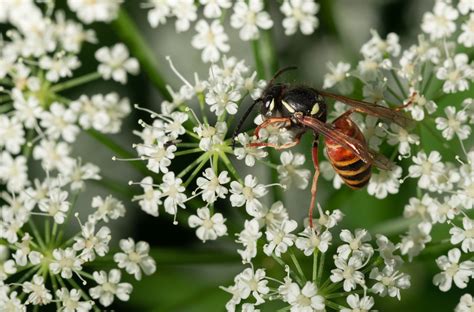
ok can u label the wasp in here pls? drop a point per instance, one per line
(302, 109)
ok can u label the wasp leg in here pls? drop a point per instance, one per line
(278, 147)
(268, 122)
(410, 102)
(314, 186)
(344, 115)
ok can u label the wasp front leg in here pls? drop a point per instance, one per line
(314, 186)
(278, 147)
(269, 121)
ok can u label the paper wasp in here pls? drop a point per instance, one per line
(302, 108)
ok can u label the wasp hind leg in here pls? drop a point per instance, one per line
(314, 186)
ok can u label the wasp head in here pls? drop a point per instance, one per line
(271, 99)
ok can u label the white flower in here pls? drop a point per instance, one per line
(402, 138)
(13, 171)
(212, 185)
(467, 36)
(97, 10)
(279, 239)
(348, 272)
(356, 244)
(464, 235)
(426, 168)
(150, 199)
(109, 287)
(222, 98)
(419, 105)
(211, 39)
(60, 122)
(377, 48)
(456, 72)
(440, 23)
(466, 304)
(115, 63)
(419, 208)
(208, 227)
(357, 304)
(12, 135)
(253, 283)
(135, 258)
(309, 240)
(59, 66)
(247, 152)
(384, 183)
(213, 8)
(211, 136)
(389, 281)
(248, 195)
(305, 299)
(159, 156)
(249, 18)
(27, 110)
(173, 190)
(300, 13)
(108, 208)
(39, 294)
(53, 155)
(386, 249)
(415, 240)
(338, 73)
(90, 243)
(56, 205)
(11, 302)
(274, 216)
(78, 174)
(185, 12)
(453, 270)
(65, 262)
(453, 124)
(249, 237)
(160, 10)
(71, 300)
(104, 113)
(289, 173)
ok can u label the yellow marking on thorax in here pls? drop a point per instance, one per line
(315, 109)
(288, 107)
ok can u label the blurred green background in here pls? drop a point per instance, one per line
(188, 271)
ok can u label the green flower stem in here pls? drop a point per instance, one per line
(197, 170)
(333, 305)
(139, 48)
(36, 234)
(55, 287)
(288, 308)
(47, 231)
(75, 82)
(283, 265)
(399, 84)
(315, 265)
(119, 150)
(321, 268)
(297, 265)
(57, 239)
(192, 165)
(202, 107)
(27, 147)
(259, 66)
(230, 167)
(392, 227)
(187, 144)
(26, 276)
(392, 92)
(189, 151)
(118, 188)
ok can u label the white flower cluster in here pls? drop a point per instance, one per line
(40, 261)
(354, 258)
(249, 17)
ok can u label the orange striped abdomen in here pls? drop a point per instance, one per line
(353, 170)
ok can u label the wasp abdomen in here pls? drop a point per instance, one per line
(354, 171)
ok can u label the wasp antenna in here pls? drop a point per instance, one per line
(242, 120)
(281, 71)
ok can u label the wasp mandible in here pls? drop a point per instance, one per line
(302, 108)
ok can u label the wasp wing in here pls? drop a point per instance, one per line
(357, 147)
(373, 109)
